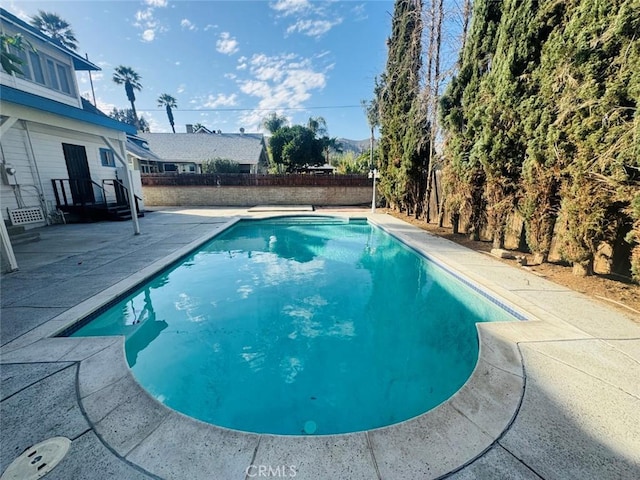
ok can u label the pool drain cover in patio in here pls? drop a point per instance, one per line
(35, 462)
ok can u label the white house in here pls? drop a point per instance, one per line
(58, 152)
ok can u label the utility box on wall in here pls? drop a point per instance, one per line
(8, 174)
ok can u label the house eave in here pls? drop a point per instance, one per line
(25, 99)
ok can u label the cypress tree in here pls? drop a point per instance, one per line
(597, 109)
(463, 173)
(401, 119)
(544, 115)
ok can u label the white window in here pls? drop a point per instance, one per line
(51, 68)
(40, 68)
(36, 68)
(106, 158)
(24, 66)
(63, 75)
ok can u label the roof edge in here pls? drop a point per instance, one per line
(26, 99)
(79, 63)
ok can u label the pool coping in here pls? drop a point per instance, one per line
(166, 443)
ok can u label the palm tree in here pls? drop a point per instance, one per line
(318, 125)
(274, 122)
(55, 27)
(131, 80)
(330, 144)
(168, 102)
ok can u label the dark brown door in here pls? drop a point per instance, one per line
(79, 176)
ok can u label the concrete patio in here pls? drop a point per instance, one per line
(555, 397)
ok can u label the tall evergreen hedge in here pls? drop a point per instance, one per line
(542, 119)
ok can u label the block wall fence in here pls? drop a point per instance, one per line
(245, 196)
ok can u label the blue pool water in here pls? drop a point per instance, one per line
(301, 325)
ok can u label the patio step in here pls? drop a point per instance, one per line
(121, 213)
(22, 238)
(98, 212)
(19, 235)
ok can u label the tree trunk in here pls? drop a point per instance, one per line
(455, 222)
(584, 268)
(135, 114)
(498, 240)
(434, 59)
(540, 257)
(466, 16)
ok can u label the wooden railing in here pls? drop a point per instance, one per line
(73, 192)
(83, 191)
(248, 180)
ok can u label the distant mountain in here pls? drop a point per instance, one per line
(355, 146)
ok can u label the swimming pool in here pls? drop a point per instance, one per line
(301, 325)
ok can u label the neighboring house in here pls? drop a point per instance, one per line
(185, 152)
(58, 151)
(325, 169)
(140, 157)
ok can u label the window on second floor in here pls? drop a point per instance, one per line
(106, 158)
(40, 68)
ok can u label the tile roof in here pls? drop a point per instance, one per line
(244, 148)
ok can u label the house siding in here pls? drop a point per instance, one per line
(14, 152)
(47, 148)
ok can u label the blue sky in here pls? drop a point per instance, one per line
(230, 63)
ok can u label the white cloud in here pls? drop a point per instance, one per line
(359, 13)
(290, 7)
(226, 44)
(146, 22)
(221, 100)
(313, 28)
(156, 125)
(186, 24)
(256, 88)
(148, 35)
(181, 87)
(279, 82)
(143, 16)
(242, 63)
(95, 77)
(15, 8)
(311, 18)
(104, 107)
